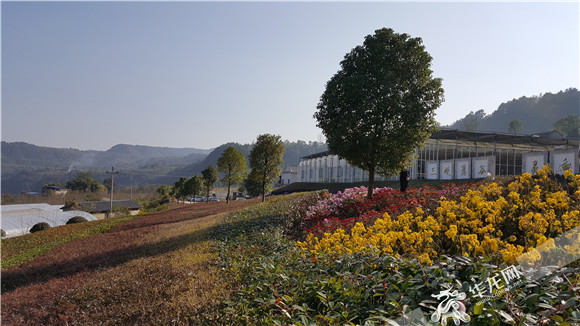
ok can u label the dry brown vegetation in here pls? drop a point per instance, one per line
(154, 269)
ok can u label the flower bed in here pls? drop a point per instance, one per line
(495, 221)
(345, 209)
(274, 283)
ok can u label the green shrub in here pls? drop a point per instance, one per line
(76, 219)
(3, 233)
(274, 284)
(39, 227)
(297, 212)
(155, 205)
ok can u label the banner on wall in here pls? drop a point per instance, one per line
(483, 167)
(446, 170)
(532, 162)
(564, 160)
(432, 172)
(463, 168)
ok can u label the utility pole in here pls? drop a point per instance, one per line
(112, 173)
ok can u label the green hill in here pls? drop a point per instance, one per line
(536, 113)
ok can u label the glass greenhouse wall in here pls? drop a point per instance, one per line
(453, 154)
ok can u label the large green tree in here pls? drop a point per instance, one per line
(210, 177)
(194, 185)
(233, 165)
(179, 188)
(165, 192)
(253, 185)
(381, 104)
(266, 161)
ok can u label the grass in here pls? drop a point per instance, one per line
(153, 269)
(276, 284)
(163, 269)
(19, 250)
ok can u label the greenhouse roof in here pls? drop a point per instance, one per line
(549, 138)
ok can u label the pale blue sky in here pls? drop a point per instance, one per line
(90, 75)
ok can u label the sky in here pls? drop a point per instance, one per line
(90, 75)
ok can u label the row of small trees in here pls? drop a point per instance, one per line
(374, 112)
(265, 166)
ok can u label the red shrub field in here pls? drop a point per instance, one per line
(152, 269)
(344, 209)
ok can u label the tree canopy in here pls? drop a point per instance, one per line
(233, 165)
(210, 177)
(179, 189)
(194, 185)
(569, 126)
(266, 161)
(515, 126)
(381, 104)
(536, 113)
(84, 182)
(472, 120)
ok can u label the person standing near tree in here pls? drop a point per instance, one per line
(404, 179)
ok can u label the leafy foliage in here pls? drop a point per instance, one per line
(85, 182)
(39, 227)
(536, 113)
(569, 126)
(265, 161)
(151, 269)
(232, 164)
(194, 185)
(210, 177)
(515, 126)
(165, 191)
(19, 250)
(492, 221)
(381, 105)
(179, 188)
(76, 219)
(277, 285)
(472, 120)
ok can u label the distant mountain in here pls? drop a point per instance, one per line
(294, 151)
(26, 167)
(535, 113)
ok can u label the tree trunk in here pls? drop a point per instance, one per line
(371, 182)
(263, 192)
(228, 196)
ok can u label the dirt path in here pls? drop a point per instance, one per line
(154, 269)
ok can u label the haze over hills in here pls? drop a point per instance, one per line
(26, 167)
(536, 113)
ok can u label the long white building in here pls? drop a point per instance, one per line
(454, 154)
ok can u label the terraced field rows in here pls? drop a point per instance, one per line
(153, 269)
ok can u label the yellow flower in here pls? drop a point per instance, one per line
(451, 232)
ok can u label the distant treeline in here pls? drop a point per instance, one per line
(27, 167)
(535, 113)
